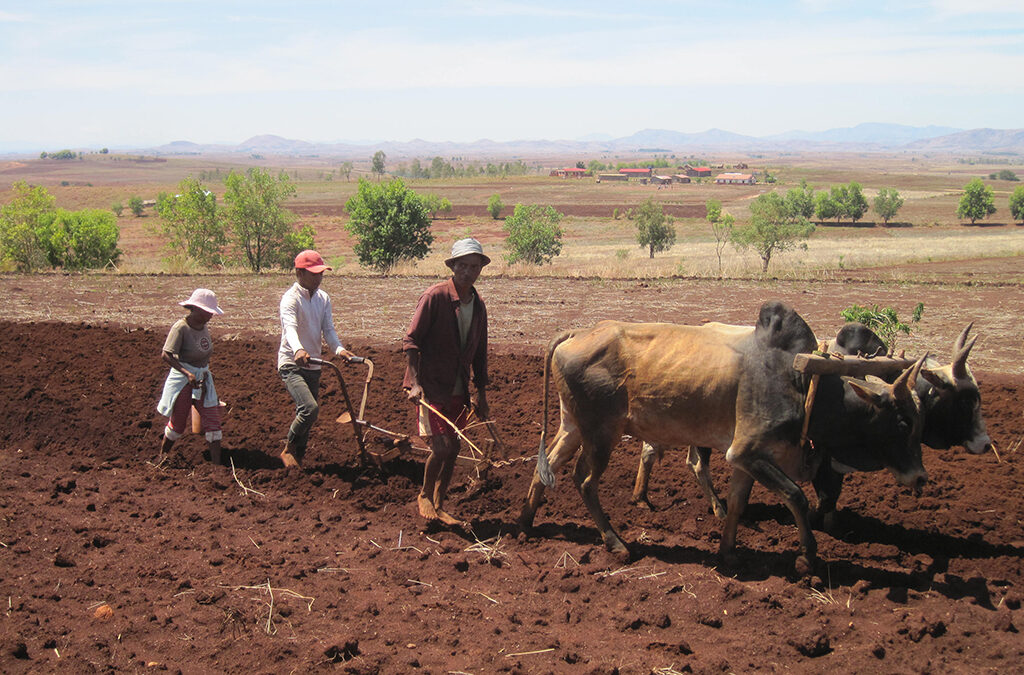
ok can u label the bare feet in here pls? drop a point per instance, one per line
(427, 508)
(289, 459)
(448, 519)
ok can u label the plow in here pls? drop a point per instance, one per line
(380, 446)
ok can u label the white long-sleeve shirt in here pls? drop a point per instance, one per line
(304, 319)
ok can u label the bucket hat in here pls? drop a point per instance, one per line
(312, 261)
(464, 247)
(204, 299)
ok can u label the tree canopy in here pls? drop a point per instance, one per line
(256, 215)
(377, 163)
(192, 223)
(887, 204)
(978, 201)
(390, 222)
(654, 230)
(534, 234)
(774, 227)
(1017, 203)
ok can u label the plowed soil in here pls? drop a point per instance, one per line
(111, 561)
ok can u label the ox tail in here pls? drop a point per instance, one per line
(544, 472)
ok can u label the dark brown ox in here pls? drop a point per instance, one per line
(950, 406)
(708, 386)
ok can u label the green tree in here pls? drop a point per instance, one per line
(390, 223)
(721, 227)
(1004, 174)
(256, 215)
(135, 205)
(20, 223)
(854, 203)
(377, 163)
(295, 241)
(117, 208)
(887, 204)
(534, 234)
(773, 228)
(801, 200)
(346, 170)
(192, 222)
(86, 239)
(1017, 203)
(977, 201)
(883, 321)
(494, 206)
(826, 207)
(654, 230)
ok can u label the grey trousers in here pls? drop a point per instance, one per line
(304, 387)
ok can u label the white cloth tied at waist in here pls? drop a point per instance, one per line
(177, 380)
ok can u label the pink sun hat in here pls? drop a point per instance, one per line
(204, 299)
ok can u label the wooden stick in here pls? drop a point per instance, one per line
(452, 425)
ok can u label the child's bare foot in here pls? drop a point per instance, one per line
(427, 508)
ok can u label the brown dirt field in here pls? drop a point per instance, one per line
(113, 564)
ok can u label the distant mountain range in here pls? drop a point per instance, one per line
(870, 137)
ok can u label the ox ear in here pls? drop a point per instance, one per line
(960, 360)
(862, 390)
(959, 344)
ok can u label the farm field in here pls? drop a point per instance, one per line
(113, 562)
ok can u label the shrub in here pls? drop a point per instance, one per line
(534, 234)
(494, 206)
(390, 222)
(883, 321)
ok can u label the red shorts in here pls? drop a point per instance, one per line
(456, 409)
(181, 414)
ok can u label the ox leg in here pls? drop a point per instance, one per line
(740, 485)
(772, 477)
(587, 476)
(698, 460)
(828, 484)
(559, 451)
(648, 456)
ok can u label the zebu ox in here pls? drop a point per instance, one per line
(709, 386)
(950, 406)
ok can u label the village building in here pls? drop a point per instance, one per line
(661, 180)
(602, 177)
(636, 173)
(681, 178)
(570, 172)
(734, 179)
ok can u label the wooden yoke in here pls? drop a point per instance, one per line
(824, 363)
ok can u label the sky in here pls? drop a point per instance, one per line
(119, 74)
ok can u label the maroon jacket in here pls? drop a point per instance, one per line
(434, 331)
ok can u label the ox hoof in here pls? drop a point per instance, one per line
(643, 503)
(804, 566)
(525, 523)
(730, 561)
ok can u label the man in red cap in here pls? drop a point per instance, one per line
(447, 338)
(306, 322)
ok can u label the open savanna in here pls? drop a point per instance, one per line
(596, 243)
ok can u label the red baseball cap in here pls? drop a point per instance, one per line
(312, 261)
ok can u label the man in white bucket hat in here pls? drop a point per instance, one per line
(187, 351)
(445, 347)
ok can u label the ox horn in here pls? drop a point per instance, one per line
(960, 360)
(960, 341)
(904, 384)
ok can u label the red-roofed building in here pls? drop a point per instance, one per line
(636, 173)
(697, 171)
